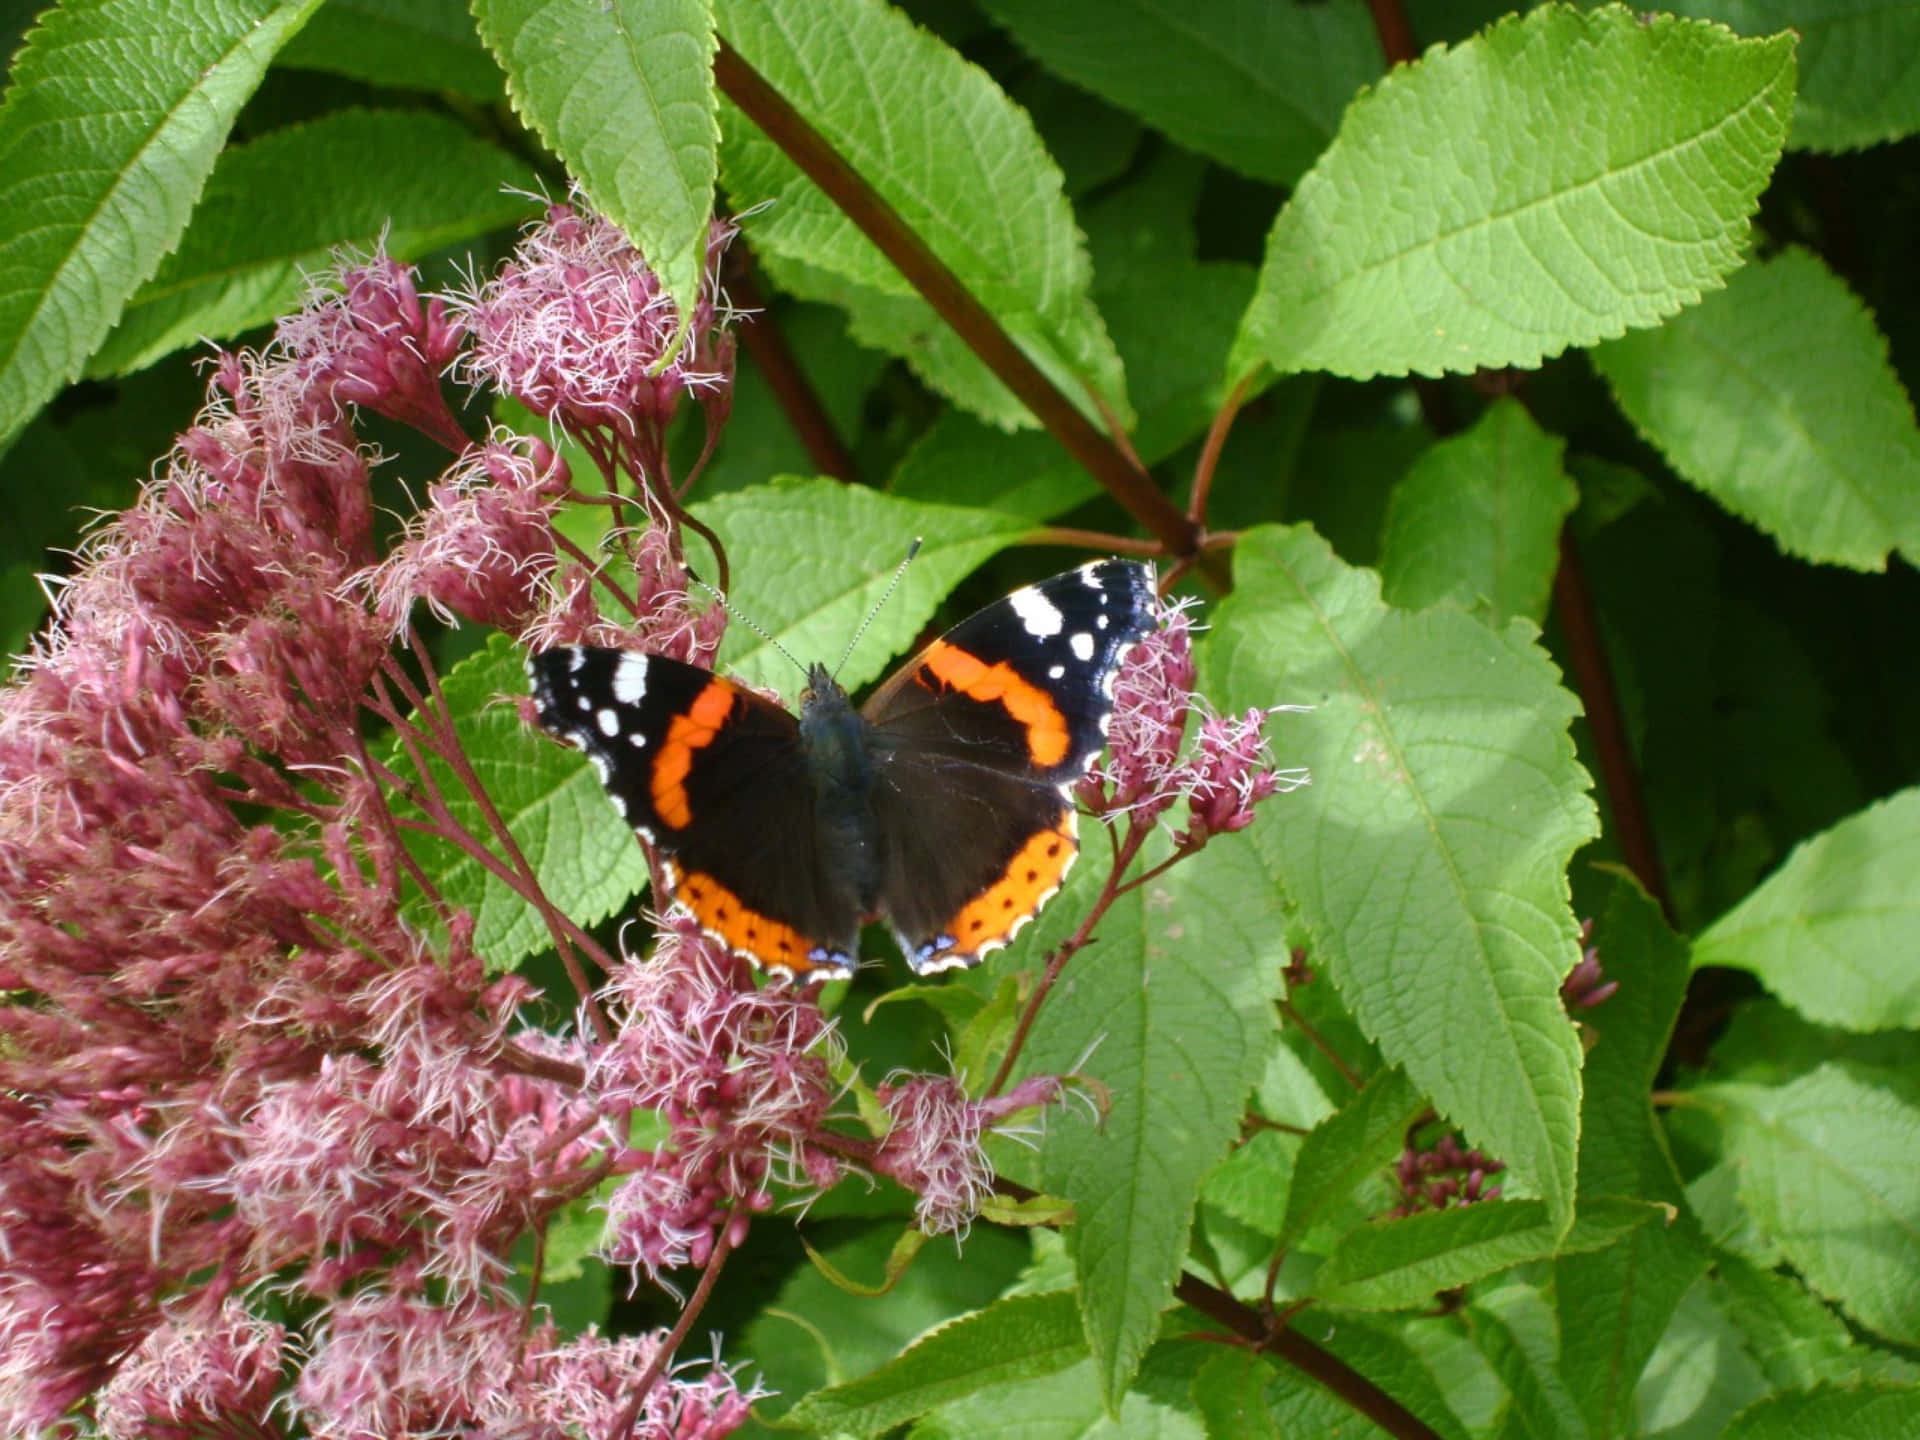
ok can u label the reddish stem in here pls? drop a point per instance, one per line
(671, 1345)
(1209, 461)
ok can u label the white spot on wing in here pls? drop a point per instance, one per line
(1082, 646)
(608, 720)
(1039, 614)
(1090, 575)
(1054, 672)
(576, 660)
(630, 679)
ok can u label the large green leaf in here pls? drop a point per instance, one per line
(962, 165)
(584, 854)
(114, 115)
(1259, 87)
(1021, 1338)
(1834, 930)
(1858, 82)
(1477, 519)
(1429, 855)
(811, 558)
(623, 93)
(1518, 1333)
(409, 44)
(1827, 1168)
(1825, 458)
(348, 179)
(1357, 1141)
(1496, 203)
(1866, 1412)
(1066, 1406)
(1173, 1003)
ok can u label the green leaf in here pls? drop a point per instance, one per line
(1825, 458)
(114, 115)
(622, 92)
(811, 558)
(1518, 1333)
(1252, 1183)
(1402, 1263)
(1700, 1375)
(1065, 1406)
(1384, 1353)
(1796, 1339)
(1176, 994)
(1255, 86)
(1478, 519)
(408, 44)
(1614, 1304)
(1858, 85)
(1834, 930)
(961, 460)
(1012, 1340)
(1348, 1147)
(344, 180)
(582, 851)
(1827, 1168)
(1865, 1412)
(1447, 228)
(1243, 1396)
(963, 167)
(1428, 857)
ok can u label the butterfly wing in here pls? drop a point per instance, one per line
(977, 744)
(715, 779)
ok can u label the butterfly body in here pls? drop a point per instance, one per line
(942, 805)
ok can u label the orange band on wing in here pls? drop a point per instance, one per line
(767, 942)
(1027, 703)
(689, 732)
(1030, 877)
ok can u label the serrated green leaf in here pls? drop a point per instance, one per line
(1428, 857)
(586, 858)
(1795, 1338)
(114, 115)
(1383, 1352)
(1447, 228)
(1613, 1304)
(1257, 87)
(1066, 1406)
(1017, 1339)
(1348, 1146)
(961, 460)
(1517, 1332)
(1699, 1376)
(1834, 930)
(408, 44)
(345, 180)
(963, 167)
(1176, 995)
(1253, 1182)
(1478, 519)
(1403, 1263)
(811, 558)
(1243, 1396)
(1858, 85)
(1863, 1412)
(1827, 1168)
(622, 92)
(1825, 458)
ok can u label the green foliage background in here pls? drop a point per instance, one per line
(1586, 335)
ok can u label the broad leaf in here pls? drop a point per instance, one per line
(1796, 1338)
(1834, 930)
(811, 559)
(1825, 458)
(1066, 1406)
(1477, 519)
(1827, 1168)
(586, 858)
(622, 91)
(962, 166)
(1173, 1003)
(1448, 228)
(1255, 86)
(1244, 1396)
(1865, 1412)
(1429, 855)
(1343, 1150)
(114, 115)
(1858, 84)
(1516, 1331)
(409, 44)
(351, 179)
(1016, 1339)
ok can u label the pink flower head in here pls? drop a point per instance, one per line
(365, 338)
(385, 1365)
(577, 328)
(1152, 694)
(583, 1387)
(1444, 1177)
(482, 547)
(665, 619)
(934, 1145)
(1586, 984)
(1229, 773)
(195, 1376)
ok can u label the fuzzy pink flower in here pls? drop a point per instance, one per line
(1152, 694)
(581, 1389)
(934, 1145)
(196, 1376)
(666, 621)
(384, 1365)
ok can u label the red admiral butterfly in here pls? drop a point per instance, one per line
(944, 803)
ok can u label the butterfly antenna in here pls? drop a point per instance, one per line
(901, 569)
(746, 620)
